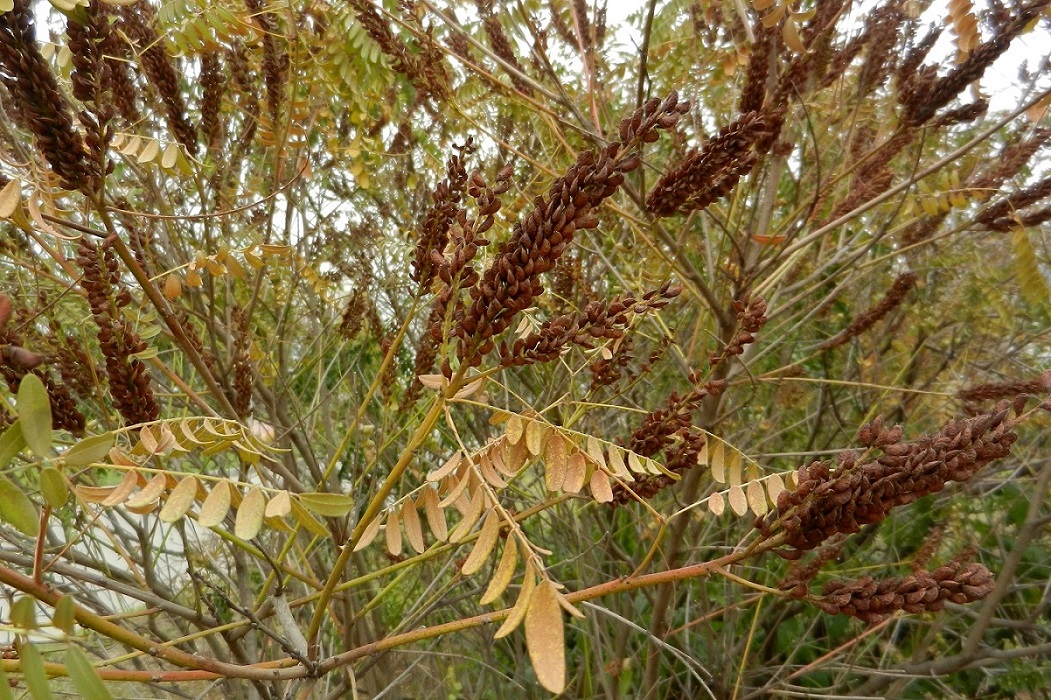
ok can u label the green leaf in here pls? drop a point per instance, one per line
(34, 412)
(11, 443)
(53, 487)
(64, 617)
(330, 505)
(89, 450)
(5, 687)
(33, 671)
(84, 677)
(23, 613)
(16, 509)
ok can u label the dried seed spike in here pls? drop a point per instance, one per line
(410, 520)
(435, 514)
(393, 535)
(505, 571)
(518, 612)
(484, 545)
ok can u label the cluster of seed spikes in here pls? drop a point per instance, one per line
(903, 284)
(137, 22)
(423, 65)
(996, 391)
(835, 501)
(875, 600)
(434, 231)
(711, 172)
(16, 362)
(599, 320)
(751, 316)
(512, 282)
(129, 382)
(671, 429)
(37, 103)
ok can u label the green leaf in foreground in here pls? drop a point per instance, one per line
(84, 677)
(33, 671)
(11, 443)
(34, 412)
(89, 450)
(16, 509)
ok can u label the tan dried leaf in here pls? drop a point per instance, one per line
(616, 464)
(367, 537)
(756, 497)
(593, 448)
(308, 521)
(635, 463)
(535, 435)
(216, 505)
(555, 462)
(518, 612)
(716, 504)
(179, 500)
(545, 638)
(498, 452)
(124, 489)
(484, 545)
(150, 494)
(505, 571)
(774, 486)
(446, 469)
(410, 520)
(734, 467)
(172, 287)
(717, 462)
(576, 473)
(600, 487)
(474, 512)
(393, 535)
(279, 506)
(435, 382)
(738, 501)
(515, 429)
(489, 473)
(249, 519)
(435, 514)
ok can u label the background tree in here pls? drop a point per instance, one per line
(342, 339)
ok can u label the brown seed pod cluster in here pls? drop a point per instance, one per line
(680, 456)
(16, 362)
(903, 284)
(659, 427)
(1009, 213)
(213, 85)
(751, 317)
(38, 104)
(926, 96)
(711, 172)
(598, 321)
(512, 282)
(129, 382)
(137, 23)
(423, 65)
(434, 231)
(875, 600)
(995, 391)
(275, 61)
(501, 44)
(840, 500)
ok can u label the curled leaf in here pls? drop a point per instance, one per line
(484, 545)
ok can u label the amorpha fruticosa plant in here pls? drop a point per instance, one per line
(370, 349)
